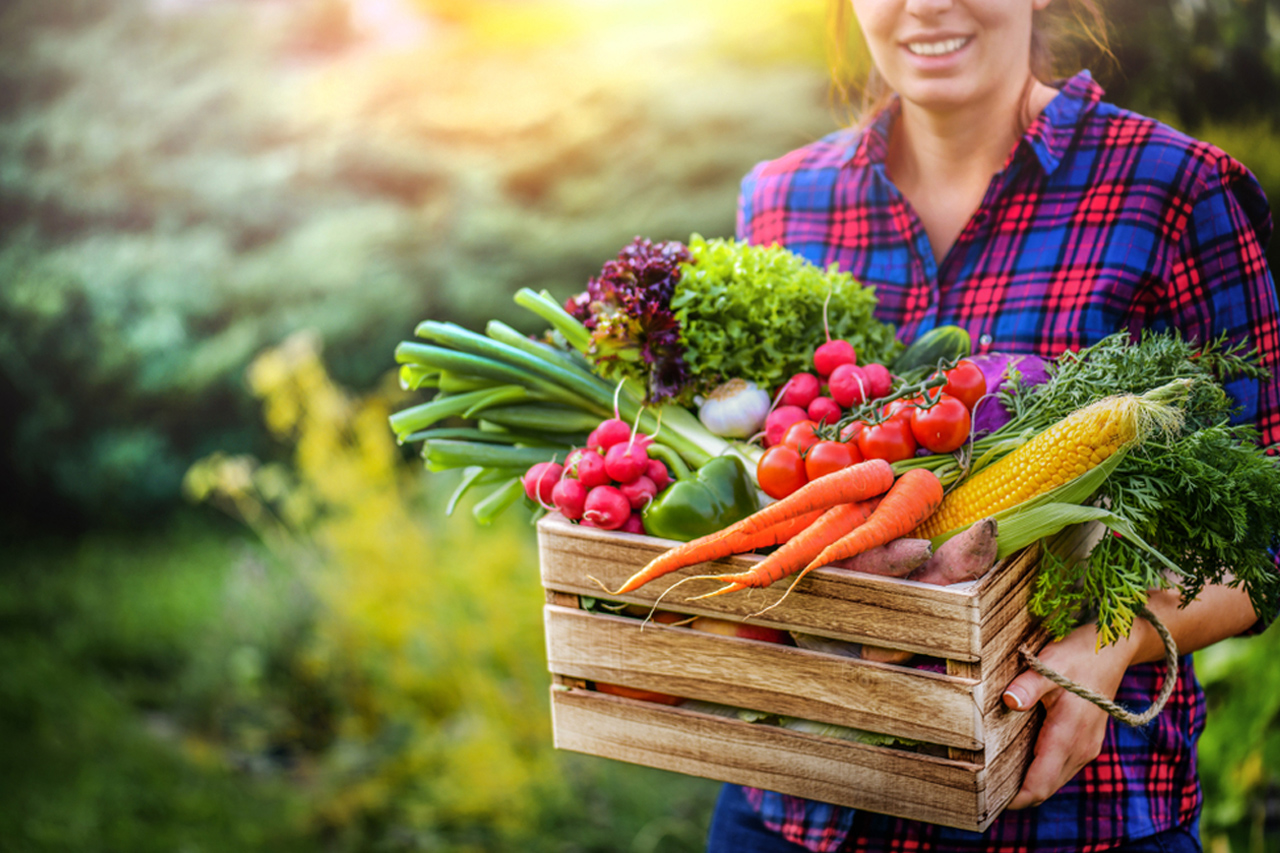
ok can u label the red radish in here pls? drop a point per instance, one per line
(658, 473)
(591, 470)
(570, 497)
(824, 410)
(633, 524)
(800, 390)
(832, 354)
(607, 508)
(609, 433)
(571, 461)
(639, 492)
(879, 380)
(540, 479)
(779, 421)
(625, 462)
(849, 386)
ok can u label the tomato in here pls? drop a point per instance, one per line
(849, 432)
(899, 410)
(636, 693)
(966, 383)
(891, 441)
(828, 456)
(943, 427)
(800, 436)
(780, 471)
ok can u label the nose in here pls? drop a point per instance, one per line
(928, 8)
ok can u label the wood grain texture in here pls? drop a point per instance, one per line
(766, 677)
(922, 618)
(882, 780)
(975, 627)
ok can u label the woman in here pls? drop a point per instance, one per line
(1038, 217)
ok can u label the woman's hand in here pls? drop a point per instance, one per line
(1073, 728)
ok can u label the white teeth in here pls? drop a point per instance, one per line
(936, 48)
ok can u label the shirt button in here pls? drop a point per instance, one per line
(984, 342)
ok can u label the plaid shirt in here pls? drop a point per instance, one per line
(1100, 220)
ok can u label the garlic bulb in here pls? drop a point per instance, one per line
(736, 409)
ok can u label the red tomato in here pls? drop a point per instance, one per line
(828, 456)
(849, 432)
(800, 436)
(899, 410)
(780, 471)
(943, 427)
(891, 441)
(636, 693)
(966, 383)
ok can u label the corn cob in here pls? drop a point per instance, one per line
(1067, 449)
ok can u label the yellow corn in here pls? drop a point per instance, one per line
(1071, 447)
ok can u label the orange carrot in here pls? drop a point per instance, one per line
(913, 498)
(714, 546)
(803, 547)
(848, 485)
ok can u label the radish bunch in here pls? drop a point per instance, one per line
(605, 484)
(838, 384)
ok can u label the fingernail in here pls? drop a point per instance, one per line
(1013, 700)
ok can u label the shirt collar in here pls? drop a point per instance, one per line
(1048, 136)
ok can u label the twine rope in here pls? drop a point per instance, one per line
(1117, 711)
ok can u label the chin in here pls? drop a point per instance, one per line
(940, 95)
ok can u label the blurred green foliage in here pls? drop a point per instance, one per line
(369, 676)
(184, 183)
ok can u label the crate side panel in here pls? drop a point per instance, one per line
(829, 602)
(1007, 625)
(1002, 777)
(764, 677)
(848, 774)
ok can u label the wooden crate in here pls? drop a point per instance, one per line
(976, 751)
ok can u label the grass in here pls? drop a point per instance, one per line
(148, 702)
(95, 639)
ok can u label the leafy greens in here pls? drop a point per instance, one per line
(683, 319)
(1207, 496)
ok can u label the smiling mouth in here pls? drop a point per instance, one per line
(937, 48)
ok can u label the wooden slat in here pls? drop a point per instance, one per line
(764, 677)
(849, 774)
(1005, 769)
(937, 621)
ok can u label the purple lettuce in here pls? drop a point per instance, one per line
(628, 310)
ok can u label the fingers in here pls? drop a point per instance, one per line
(1070, 738)
(1026, 690)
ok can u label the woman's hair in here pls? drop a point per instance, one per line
(1061, 36)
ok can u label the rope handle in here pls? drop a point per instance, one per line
(1123, 715)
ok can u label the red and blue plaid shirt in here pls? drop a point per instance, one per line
(1100, 220)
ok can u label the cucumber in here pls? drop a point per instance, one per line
(924, 353)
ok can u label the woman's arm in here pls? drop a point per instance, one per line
(1073, 728)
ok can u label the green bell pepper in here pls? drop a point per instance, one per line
(719, 493)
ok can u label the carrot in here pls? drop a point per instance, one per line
(912, 499)
(831, 526)
(848, 485)
(713, 546)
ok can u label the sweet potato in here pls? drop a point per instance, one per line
(894, 559)
(964, 557)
